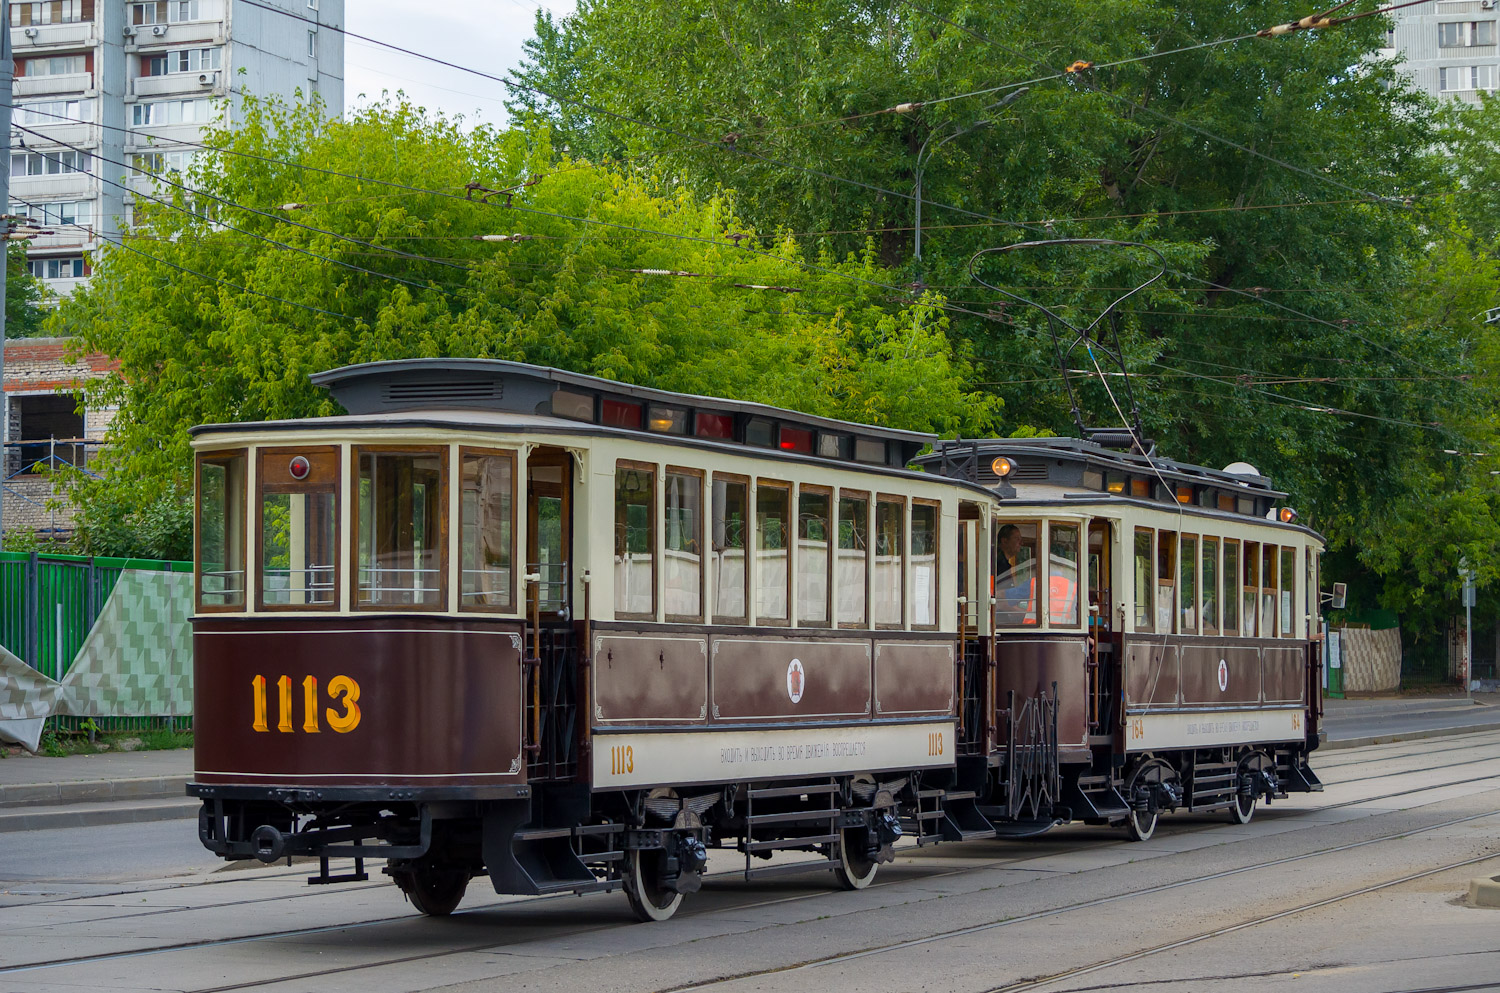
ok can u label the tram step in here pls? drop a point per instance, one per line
(565, 886)
(595, 829)
(766, 871)
(781, 843)
(538, 834)
(778, 791)
(929, 794)
(1024, 829)
(590, 858)
(949, 795)
(821, 814)
(923, 815)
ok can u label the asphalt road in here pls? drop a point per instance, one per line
(1354, 889)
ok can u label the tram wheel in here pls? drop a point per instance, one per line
(1140, 825)
(855, 870)
(433, 890)
(649, 901)
(1242, 808)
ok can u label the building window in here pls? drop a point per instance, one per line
(56, 112)
(71, 268)
(169, 112)
(1466, 34)
(61, 65)
(48, 163)
(77, 212)
(49, 12)
(183, 60)
(1454, 78)
(312, 4)
(155, 163)
(312, 44)
(163, 12)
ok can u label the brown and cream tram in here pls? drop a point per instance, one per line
(572, 634)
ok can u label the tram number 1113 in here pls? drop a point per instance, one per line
(341, 690)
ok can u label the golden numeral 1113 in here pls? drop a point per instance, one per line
(341, 689)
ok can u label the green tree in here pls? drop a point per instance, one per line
(24, 295)
(218, 312)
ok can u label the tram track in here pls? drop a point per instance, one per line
(491, 945)
(1355, 756)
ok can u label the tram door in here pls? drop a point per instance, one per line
(1101, 661)
(551, 711)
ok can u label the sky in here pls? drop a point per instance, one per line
(486, 35)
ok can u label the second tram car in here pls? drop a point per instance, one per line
(505, 621)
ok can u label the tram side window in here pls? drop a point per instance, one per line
(1062, 574)
(682, 553)
(486, 513)
(731, 566)
(635, 541)
(298, 528)
(853, 558)
(1231, 600)
(772, 547)
(924, 564)
(1210, 585)
(221, 530)
(1288, 590)
(1187, 598)
(814, 538)
(1017, 563)
(890, 561)
(1314, 606)
(1250, 588)
(1166, 575)
(1145, 566)
(1268, 591)
(399, 529)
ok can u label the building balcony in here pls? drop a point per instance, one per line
(66, 238)
(62, 132)
(63, 84)
(147, 38)
(44, 37)
(62, 186)
(179, 84)
(64, 287)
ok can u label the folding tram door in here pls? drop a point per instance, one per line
(552, 641)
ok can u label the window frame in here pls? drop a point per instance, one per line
(934, 595)
(1218, 625)
(703, 492)
(1196, 601)
(831, 494)
(868, 496)
(513, 605)
(652, 471)
(1249, 562)
(221, 457)
(444, 526)
(1038, 572)
(336, 488)
(1286, 593)
(791, 541)
(1135, 592)
(901, 500)
(1080, 567)
(711, 610)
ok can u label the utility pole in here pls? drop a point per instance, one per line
(1470, 594)
(7, 88)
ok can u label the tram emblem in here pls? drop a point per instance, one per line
(794, 680)
(1223, 676)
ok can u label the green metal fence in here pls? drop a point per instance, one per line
(49, 603)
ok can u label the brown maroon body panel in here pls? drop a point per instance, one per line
(1220, 675)
(650, 679)
(1171, 672)
(913, 679)
(751, 680)
(1152, 675)
(1030, 665)
(438, 702)
(1284, 674)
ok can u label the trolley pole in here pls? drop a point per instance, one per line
(7, 79)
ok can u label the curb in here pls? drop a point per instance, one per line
(1386, 739)
(85, 791)
(98, 814)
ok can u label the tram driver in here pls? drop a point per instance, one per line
(1015, 586)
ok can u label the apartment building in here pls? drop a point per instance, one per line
(108, 90)
(1449, 46)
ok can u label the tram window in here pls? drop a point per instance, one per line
(1166, 575)
(1231, 598)
(1017, 564)
(1062, 575)
(1268, 591)
(772, 548)
(298, 528)
(731, 566)
(1288, 590)
(814, 538)
(487, 523)
(682, 541)
(399, 529)
(221, 530)
(635, 541)
(1210, 585)
(1311, 591)
(1187, 590)
(853, 558)
(1249, 588)
(924, 564)
(1145, 615)
(890, 561)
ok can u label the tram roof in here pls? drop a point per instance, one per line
(408, 385)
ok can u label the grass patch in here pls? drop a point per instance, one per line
(59, 744)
